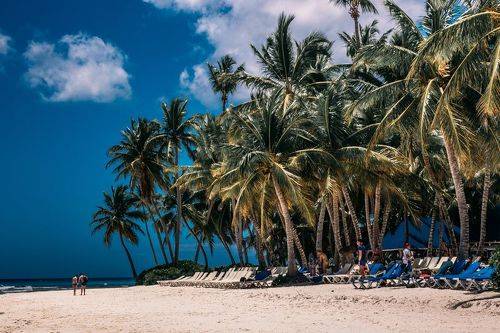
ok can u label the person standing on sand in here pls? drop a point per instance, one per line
(407, 257)
(361, 257)
(83, 279)
(74, 283)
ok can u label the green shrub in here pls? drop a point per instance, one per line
(495, 260)
(155, 275)
(167, 272)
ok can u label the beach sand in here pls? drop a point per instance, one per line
(320, 308)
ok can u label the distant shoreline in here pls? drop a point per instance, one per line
(40, 284)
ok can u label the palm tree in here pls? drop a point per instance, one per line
(175, 133)
(117, 216)
(425, 100)
(368, 37)
(262, 148)
(137, 157)
(222, 78)
(292, 68)
(355, 9)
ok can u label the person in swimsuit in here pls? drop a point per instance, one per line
(74, 283)
(361, 257)
(83, 279)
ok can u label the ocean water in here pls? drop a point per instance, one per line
(63, 283)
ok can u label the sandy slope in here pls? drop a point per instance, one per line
(322, 308)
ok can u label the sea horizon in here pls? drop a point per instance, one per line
(65, 282)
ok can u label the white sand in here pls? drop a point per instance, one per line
(322, 308)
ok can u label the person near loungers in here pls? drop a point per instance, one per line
(407, 258)
(361, 257)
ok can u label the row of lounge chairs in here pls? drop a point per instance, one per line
(437, 272)
(458, 275)
(244, 277)
(434, 272)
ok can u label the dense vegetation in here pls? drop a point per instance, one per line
(407, 129)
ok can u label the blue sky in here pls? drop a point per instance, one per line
(73, 74)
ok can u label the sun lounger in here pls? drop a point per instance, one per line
(431, 264)
(236, 279)
(481, 280)
(230, 279)
(180, 280)
(390, 277)
(201, 282)
(424, 264)
(437, 280)
(164, 283)
(439, 264)
(455, 281)
(375, 270)
(344, 270)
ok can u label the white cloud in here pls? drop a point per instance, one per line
(231, 25)
(4, 44)
(190, 5)
(198, 84)
(78, 68)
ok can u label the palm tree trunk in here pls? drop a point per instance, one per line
(347, 236)
(319, 227)
(292, 267)
(463, 250)
(354, 12)
(376, 214)
(237, 232)
(385, 220)
(430, 241)
(165, 230)
(367, 219)
(200, 244)
(333, 212)
(197, 253)
(224, 102)
(151, 242)
(441, 229)
(167, 241)
(352, 212)
(258, 246)
(177, 232)
(443, 211)
(228, 250)
(245, 252)
(300, 249)
(484, 209)
(158, 234)
(445, 217)
(129, 257)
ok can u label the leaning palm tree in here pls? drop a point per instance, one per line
(137, 157)
(355, 9)
(175, 133)
(222, 78)
(263, 148)
(117, 216)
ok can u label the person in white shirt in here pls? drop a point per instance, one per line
(407, 257)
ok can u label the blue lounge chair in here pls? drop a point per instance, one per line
(393, 272)
(481, 279)
(374, 271)
(453, 281)
(435, 282)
